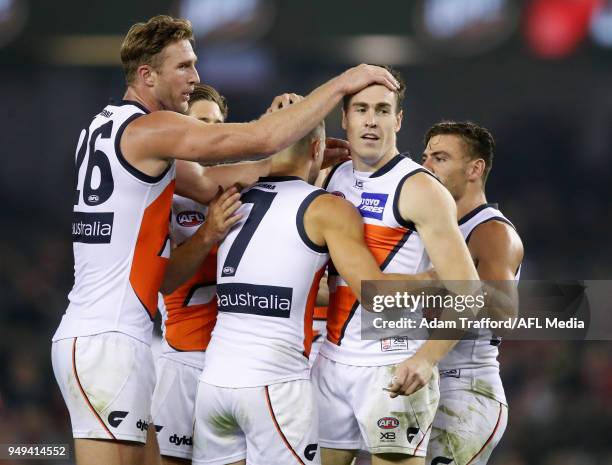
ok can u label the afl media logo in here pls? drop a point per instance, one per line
(190, 218)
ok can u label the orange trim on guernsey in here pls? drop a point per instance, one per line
(148, 267)
(310, 309)
(381, 240)
(189, 327)
(320, 313)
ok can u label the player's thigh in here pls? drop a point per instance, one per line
(337, 456)
(466, 429)
(280, 423)
(396, 459)
(103, 452)
(217, 437)
(107, 383)
(333, 384)
(174, 406)
(166, 460)
(151, 452)
(394, 426)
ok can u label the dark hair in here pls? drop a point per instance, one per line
(479, 141)
(144, 42)
(399, 93)
(206, 92)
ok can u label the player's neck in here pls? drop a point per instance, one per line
(283, 168)
(366, 166)
(469, 201)
(136, 95)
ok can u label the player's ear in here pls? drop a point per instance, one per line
(477, 168)
(146, 74)
(343, 118)
(398, 120)
(317, 150)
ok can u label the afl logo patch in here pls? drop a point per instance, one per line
(338, 194)
(190, 218)
(388, 423)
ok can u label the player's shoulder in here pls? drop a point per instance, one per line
(496, 235)
(421, 178)
(423, 188)
(341, 169)
(330, 208)
(158, 120)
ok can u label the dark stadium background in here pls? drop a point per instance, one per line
(538, 73)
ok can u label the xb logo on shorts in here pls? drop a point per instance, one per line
(372, 205)
(116, 417)
(387, 436)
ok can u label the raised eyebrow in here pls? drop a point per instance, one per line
(359, 104)
(383, 105)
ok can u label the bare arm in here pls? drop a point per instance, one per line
(332, 221)
(187, 257)
(202, 183)
(163, 135)
(425, 202)
(429, 205)
(498, 252)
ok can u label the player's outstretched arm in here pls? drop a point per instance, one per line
(163, 134)
(332, 221)
(187, 257)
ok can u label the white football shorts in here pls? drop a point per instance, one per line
(267, 425)
(359, 412)
(107, 383)
(466, 429)
(173, 406)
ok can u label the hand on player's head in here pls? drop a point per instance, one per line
(359, 77)
(283, 101)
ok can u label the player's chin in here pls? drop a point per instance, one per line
(370, 153)
(183, 107)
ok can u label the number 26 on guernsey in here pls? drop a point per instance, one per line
(98, 168)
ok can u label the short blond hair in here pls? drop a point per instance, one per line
(144, 42)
